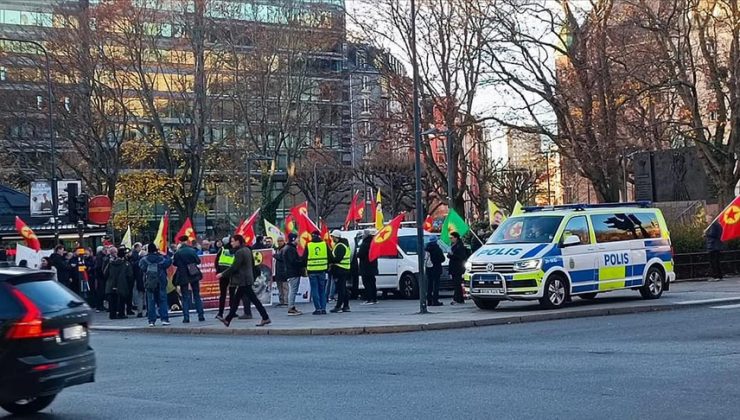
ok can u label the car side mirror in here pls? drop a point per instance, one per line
(571, 240)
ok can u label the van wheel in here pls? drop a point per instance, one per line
(28, 406)
(654, 283)
(486, 304)
(408, 287)
(588, 296)
(555, 293)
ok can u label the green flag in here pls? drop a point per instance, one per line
(453, 223)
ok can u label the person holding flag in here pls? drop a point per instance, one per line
(340, 270)
(458, 255)
(368, 268)
(725, 227)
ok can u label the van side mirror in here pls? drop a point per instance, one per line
(571, 240)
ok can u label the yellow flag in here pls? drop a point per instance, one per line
(273, 231)
(517, 209)
(126, 241)
(162, 232)
(495, 215)
(378, 212)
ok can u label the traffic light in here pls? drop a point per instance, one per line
(76, 204)
(81, 207)
(72, 193)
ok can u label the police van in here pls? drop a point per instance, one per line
(553, 253)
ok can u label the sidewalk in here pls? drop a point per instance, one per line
(390, 316)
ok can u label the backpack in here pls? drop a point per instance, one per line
(151, 276)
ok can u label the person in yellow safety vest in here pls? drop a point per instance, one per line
(340, 269)
(224, 260)
(317, 265)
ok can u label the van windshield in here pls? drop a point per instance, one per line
(526, 230)
(408, 244)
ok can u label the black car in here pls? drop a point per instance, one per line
(44, 340)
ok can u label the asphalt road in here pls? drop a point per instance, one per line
(672, 365)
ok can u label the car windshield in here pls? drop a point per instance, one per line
(408, 243)
(526, 230)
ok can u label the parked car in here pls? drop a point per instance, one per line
(44, 340)
(399, 274)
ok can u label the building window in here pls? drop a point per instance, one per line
(366, 105)
(67, 103)
(3, 73)
(39, 102)
(365, 128)
(712, 115)
(361, 59)
(365, 83)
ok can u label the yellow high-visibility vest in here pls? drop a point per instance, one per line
(347, 259)
(318, 257)
(226, 259)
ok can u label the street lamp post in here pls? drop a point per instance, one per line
(52, 141)
(417, 161)
(316, 190)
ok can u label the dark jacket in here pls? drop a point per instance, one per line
(241, 273)
(458, 256)
(436, 255)
(118, 276)
(293, 262)
(60, 263)
(713, 236)
(138, 274)
(164, 262)
(184, 256)
(281, 271)
(367, 267)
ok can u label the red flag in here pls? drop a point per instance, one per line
(32, 241)
(246, 229)
(428, 224)
(325, 233)
(305, 226)
(187, 230)
(289, 225)
(729, 219)
(350, 213)
(385, 243)
(356, 211)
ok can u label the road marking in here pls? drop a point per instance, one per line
(718, 300)
(726, 307)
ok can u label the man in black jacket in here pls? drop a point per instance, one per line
(189, 286)
(281, 276)
(434, 259)
(458, 256)
(368, 269)
(293, 271)
(60, 263)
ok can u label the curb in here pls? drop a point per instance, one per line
(434, 326)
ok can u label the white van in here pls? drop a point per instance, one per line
(553, 253)
(399, 274)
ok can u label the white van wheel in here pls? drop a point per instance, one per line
(555, 292)
(408, 287)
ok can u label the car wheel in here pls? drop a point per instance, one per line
(486, 304)
(408, 287)
(28, 406)
(654, 284)
(588, 296)
(555, 293)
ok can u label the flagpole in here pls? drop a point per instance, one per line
(417, 169)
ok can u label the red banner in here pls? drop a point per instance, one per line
(209, 290)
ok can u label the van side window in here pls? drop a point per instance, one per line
(578, 226)
(614, 227)
(647, 225)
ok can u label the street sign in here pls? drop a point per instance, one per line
(99, 210)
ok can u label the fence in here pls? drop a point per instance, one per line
(696, 265)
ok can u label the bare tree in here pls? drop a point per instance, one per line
(324, 181)
(699, 50)
(509, 185)
(574, 73)
(451, 35)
